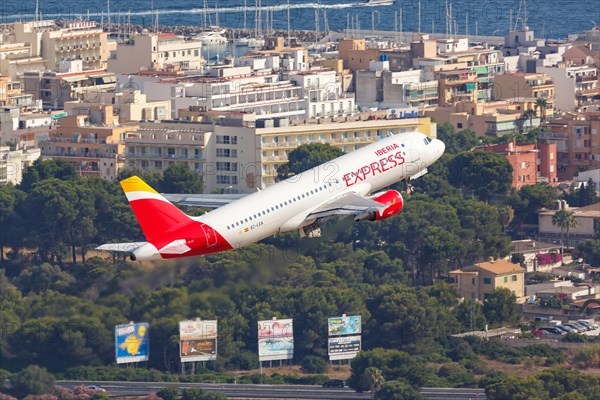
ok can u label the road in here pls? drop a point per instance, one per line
(243, 391)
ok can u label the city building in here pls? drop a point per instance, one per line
(93, 143)
(154, 51)
(457, 86)
(578, 86)
(382, 88)
(11, 94)
(18, 58)
(587, 219)
(13, 162)
(72, 83)
(531, 163)
(493, 118)
(479, 280)
(538, 256)
(577, 139)
(128, 104)
(77, 40)
(521, 85)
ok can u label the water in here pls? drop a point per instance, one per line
(548, 18)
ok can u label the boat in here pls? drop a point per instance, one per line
(380, 2)
(212, 37)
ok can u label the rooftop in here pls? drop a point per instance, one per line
(497, 267)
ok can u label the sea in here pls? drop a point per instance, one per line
(551, 19)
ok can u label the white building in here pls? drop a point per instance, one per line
(78, 40)
(154, 52)
(13, 162)
(572, 84)
(17, 58)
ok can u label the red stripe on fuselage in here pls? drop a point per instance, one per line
(163, 223)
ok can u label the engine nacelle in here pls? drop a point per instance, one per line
(392, 198)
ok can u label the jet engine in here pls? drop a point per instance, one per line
(391, 198)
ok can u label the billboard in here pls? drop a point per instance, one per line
(275, 340)
(131, 343)
(344, 347)
(344, 325)
(198, 340)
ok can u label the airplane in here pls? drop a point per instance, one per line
(347, 185)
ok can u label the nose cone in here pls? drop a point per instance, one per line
(440, 147)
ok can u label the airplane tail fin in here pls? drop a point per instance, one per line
(155, 214)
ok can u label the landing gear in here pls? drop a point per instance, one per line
(311, 230)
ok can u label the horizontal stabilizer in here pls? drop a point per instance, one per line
(203, 200)
(121, 247)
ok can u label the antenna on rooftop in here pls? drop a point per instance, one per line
(37, 9)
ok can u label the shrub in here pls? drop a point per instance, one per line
(168, 393)
(245, 360)
(32, 380)
(588, 357)
(314, 365)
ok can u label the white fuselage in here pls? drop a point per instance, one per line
(285, 205)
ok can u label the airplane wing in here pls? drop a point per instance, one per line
(203, 200)
(121, 247)
(349, 203)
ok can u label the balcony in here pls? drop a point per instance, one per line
(165, 156)
(586, 78)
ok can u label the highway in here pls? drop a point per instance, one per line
(245, 391)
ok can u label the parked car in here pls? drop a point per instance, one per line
(552, 329)
(576, 329)
(580, 326)
(587, 323)
(335, 383)
(566, 329)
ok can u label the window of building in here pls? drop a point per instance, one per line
(227, 153)
(514, 278)
(487, 281)
(459, 125)
(506, 279)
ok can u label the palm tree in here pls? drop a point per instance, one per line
(565, 219)
(541, 103)
(529, 114)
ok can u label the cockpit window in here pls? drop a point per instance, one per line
(427, 140)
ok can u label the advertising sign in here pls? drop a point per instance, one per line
(198, 350)
(344, 325)
(275, 340)
(344, 347)
(131, 343)
(198, 340)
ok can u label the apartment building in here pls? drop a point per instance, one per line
(457, 86)
(479, 280)
(54, 89)
(128, 104)
(577, 139)
(11, 94)
(578, 86)
(521, 85)
(93, 143)
(382, 88)
(493, 118)
(77, 40)
(531, 163)
(154, 51)
(18, 58)
(13, 162)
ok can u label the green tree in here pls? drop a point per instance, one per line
(46, 169)
(178, 178)
(590, 251)
(398, 390)
(501, 307)
(40, 278)
(456, 142)
(32, 380)
(307, 156)
(313, 365)
(470, 315)
(565, 220)
(517, 388)
(529, 114)
(168, 393)
(7, 215)
(483, 173)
